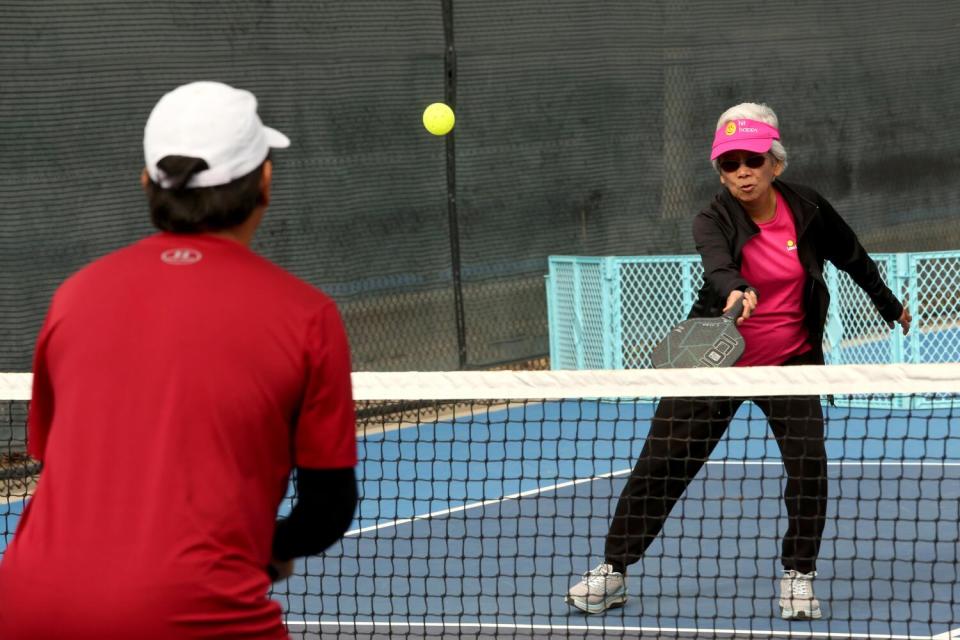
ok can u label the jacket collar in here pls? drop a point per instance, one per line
(802, 207)
(737, 216)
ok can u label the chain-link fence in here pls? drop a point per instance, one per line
(609, 313)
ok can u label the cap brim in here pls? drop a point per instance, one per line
(275, 139)
(756, 145)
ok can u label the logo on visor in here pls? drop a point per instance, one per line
(731, 128)
(791, 245)
(180, 257)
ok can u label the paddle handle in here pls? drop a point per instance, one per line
(737, 307)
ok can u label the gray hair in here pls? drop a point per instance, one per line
(754, 111)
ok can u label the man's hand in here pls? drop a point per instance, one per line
(749, 303)
(280, 569)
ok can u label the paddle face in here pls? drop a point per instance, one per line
(699, 342)
(702, 342)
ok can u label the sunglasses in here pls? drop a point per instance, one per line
(754, 162)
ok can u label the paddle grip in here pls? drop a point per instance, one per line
(737, 307)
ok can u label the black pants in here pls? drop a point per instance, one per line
(684, 432)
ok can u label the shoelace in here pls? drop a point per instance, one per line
(800, 587)
(597, 577)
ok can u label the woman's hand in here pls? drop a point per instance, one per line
(904, 320)
(749, 303)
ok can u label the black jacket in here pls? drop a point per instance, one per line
(721, 230)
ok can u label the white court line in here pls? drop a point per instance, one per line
(622, 472)
(694, 631)
(483, 503)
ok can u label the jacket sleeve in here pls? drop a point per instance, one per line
(719, 267)
(843, 249)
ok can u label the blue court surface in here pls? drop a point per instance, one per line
(476, 525)
(937, 344)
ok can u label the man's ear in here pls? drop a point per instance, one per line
(144, 178)
(266, 182)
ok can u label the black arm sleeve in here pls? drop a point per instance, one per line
(720, 270)
(326, 499)
(844, 250)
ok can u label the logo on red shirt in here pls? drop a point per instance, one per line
(180, 257)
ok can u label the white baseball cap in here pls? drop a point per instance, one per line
(212, 121)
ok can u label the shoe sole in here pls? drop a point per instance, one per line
(600, 607)
(790, 614)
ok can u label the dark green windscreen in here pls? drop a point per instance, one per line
(582, 128)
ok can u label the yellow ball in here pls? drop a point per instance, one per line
(438, 119)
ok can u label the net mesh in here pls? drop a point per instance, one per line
(486, 495)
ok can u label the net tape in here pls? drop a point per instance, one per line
(742, 382)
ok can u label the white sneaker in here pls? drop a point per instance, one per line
(797, 601)
(599, 590)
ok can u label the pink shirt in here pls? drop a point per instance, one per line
(771, 264)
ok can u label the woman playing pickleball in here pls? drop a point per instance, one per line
(762, 233)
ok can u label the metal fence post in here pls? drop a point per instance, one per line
(686, 284)
(901, 281)
(612, 314)
(553, 336)
(833, 331)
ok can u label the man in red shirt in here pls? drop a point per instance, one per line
(176, 384)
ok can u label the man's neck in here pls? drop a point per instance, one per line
(243, 232)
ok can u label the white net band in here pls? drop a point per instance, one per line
(735, 382)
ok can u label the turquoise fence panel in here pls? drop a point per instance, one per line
(609, 312)
(657, 292)
(934, 297)
(855, 332)
(576, 313)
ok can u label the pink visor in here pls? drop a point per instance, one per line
(743, 135)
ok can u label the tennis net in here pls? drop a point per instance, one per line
(486, 495)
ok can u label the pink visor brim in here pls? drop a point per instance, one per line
(743, 135)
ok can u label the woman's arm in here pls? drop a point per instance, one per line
(719, 267)
(843, 249)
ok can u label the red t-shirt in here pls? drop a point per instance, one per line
(775, 332)
(176, 382)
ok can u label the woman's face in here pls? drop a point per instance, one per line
(747, 175)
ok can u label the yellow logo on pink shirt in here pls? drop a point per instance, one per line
(791, 245)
